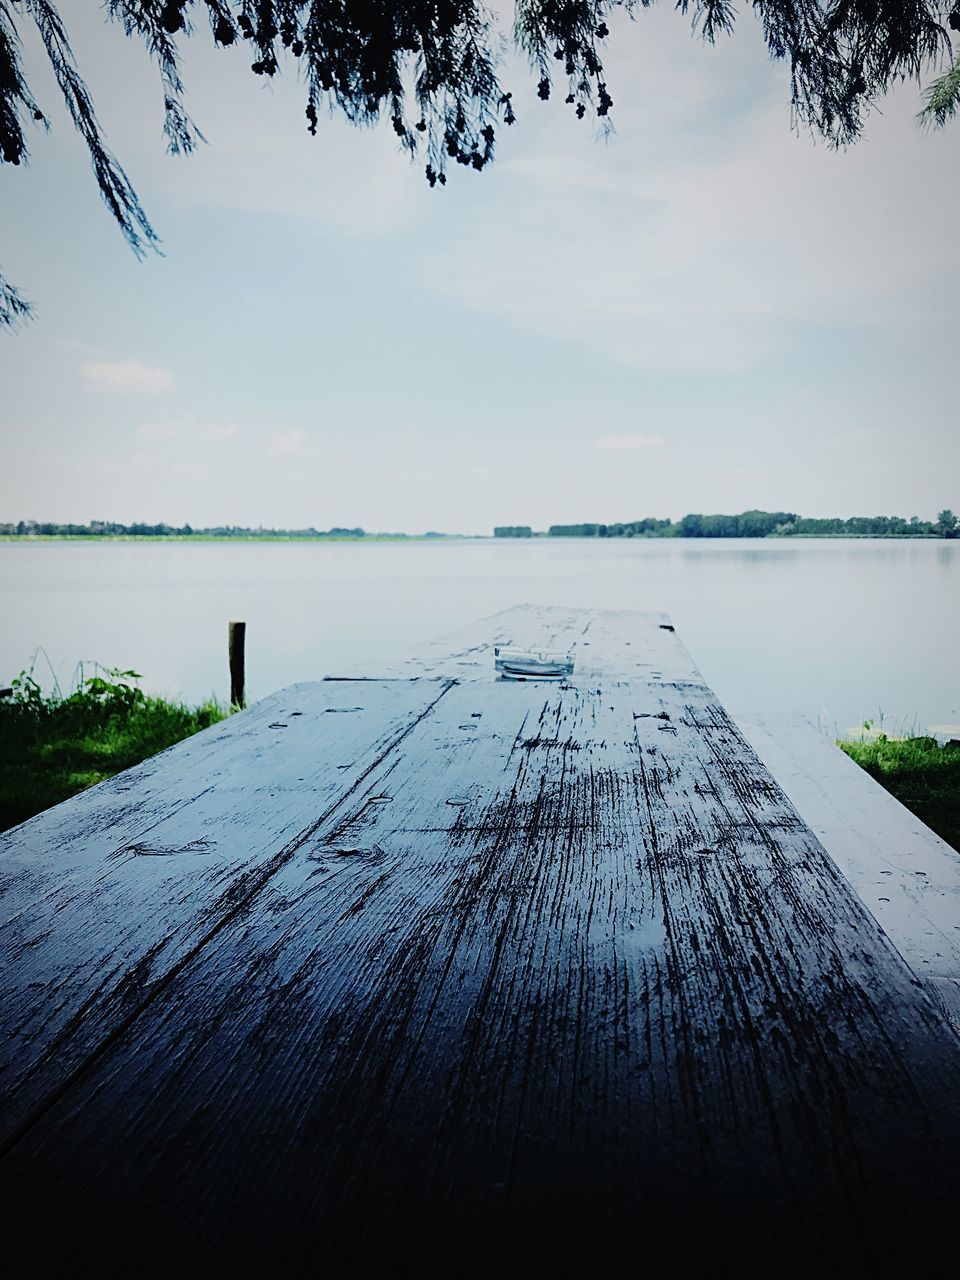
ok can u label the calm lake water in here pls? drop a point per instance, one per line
(841, 630)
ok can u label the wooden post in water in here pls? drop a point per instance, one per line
(236, 637)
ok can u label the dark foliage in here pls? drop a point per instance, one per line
(750, 524)
(430, 67)
(648, 527)
(763, 524)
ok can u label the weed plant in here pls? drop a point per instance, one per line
(52, 746)
(922, 773)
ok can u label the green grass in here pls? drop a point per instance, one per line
(52, 746)
(923, 775)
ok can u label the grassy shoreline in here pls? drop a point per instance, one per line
(52, 747)
(922, 773)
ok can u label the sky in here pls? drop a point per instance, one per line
(705, 312)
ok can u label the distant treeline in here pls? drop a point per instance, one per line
(750, 524)
(648, 528)
(109, 529)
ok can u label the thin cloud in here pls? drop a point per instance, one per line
(709, 249)
(157, 431)
(147, 462)
(218, 432)
(627, 443)
(212, 432)
(125, 377)
(288, 444)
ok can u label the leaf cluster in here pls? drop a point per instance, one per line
(108, 693)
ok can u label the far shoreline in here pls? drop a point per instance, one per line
(92, 540)
(249, 539)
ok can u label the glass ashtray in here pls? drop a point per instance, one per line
(531, 664)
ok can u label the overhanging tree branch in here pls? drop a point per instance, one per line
(431, 67)
(942, 98)
(157, 22)
(14, 308)
(118, 195)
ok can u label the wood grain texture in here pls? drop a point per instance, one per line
(564, 968)
(618, 644)
(906, 876)
(104, 896)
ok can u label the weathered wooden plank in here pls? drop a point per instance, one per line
(565, 966)
(906, 876)
(103, 897)
(619, 644)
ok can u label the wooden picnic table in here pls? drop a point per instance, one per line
(423, 959)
